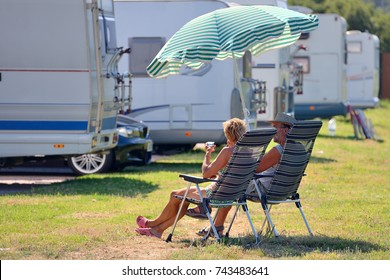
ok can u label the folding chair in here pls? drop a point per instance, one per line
(286, 180)
(232, 183)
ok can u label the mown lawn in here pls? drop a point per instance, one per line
(345, 196)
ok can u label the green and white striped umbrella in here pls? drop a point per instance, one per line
(228, 33)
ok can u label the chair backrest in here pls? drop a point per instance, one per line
(295, 157)
(242, 165)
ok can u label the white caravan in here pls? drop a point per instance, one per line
(363, 69)
(183, 109)
(56, 87)
(279, 73)
(324, 70)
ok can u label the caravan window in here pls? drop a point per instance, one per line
(107, 34)
(354, 47)
(107, 6)
(304, 61)
(143, 50)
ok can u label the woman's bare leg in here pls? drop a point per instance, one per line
(221, 216)
(168, 215)
(168, 223)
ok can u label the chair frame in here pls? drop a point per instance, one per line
(218, 197)
(267, 206)
(301, 131)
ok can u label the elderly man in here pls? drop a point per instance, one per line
(267, 166)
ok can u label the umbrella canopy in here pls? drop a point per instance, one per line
(228, 33)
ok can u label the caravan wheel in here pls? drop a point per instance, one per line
(91, 163)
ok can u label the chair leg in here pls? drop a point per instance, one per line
(266, 221)
(245, 207)
(169, 238)
(212, 226)
(299, 206)
(269, 220)
(304, 219)
(262, 226)
(231, 222)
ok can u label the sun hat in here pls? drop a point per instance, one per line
(284, 118)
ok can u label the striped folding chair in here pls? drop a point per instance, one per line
(234, 180)
(286, 180)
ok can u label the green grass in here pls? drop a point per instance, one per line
(345, 198)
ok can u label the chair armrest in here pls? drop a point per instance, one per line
(189, 199)
(195, 179)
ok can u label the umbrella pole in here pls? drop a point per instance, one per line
(239, 87)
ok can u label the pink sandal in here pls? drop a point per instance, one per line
(141, 221)
(148, 232)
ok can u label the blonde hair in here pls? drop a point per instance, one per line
(234, 129)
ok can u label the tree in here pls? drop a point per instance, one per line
(381, 29)
(384, 5)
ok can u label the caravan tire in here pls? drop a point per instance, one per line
(91, 163)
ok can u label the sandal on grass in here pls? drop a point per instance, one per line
(204, 231)
(148, 232)
(197, 212)
(141, 221)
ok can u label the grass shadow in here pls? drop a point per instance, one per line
(116, 186)
(349, 137)
(178, 167)
(296, 246)
(104, 184)
(314, 159)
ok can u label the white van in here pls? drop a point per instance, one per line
(57, 91)
(324, 70)
(363, 69)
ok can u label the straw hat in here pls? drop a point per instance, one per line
(284, 118)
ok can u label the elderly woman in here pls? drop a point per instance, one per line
(233, 129)
(267, 166)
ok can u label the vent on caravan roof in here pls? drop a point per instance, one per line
(304, 36)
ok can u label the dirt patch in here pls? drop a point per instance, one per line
(133, 248)
(136, 247)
